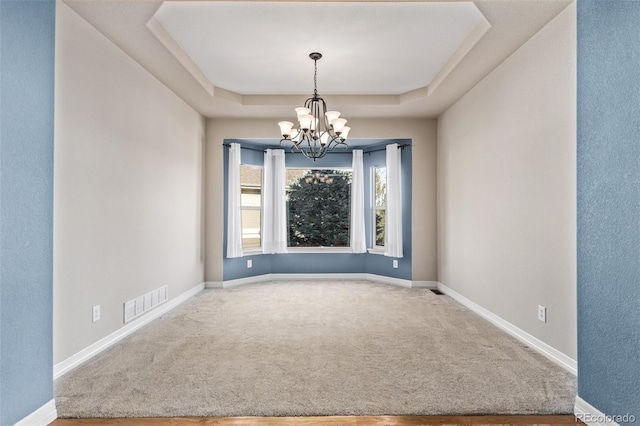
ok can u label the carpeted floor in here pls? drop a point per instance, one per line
(316, 348)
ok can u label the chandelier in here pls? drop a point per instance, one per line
(319, 130)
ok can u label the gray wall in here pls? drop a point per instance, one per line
(506, 188)
(26, 204)
(128, 186)
(609, 206)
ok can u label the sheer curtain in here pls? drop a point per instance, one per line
(234, 219)
(358, 239)
(275, 207)
(393, 224)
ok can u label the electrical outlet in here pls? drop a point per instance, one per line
(542, 313)
(96, 313)
(395, 263)
(249, 263)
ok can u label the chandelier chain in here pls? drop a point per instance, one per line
(315, 78)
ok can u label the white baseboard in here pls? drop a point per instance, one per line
(248, 280)
(550, 352)
(42, 416)
(314, 277)
(433, 285)
(92, 350)
(307, 277)
(590, 415)
(388, 280)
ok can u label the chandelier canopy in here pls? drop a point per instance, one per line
(319, 130)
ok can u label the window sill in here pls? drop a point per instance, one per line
(251, 252)
(378, 251)
(292, 250)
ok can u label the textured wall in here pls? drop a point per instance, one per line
(27, 31)
(609, 205)
(506, 188)
(128, 186)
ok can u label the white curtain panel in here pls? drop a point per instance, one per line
(393, 224)
(234, 219)
(275, 203)
(358, 238)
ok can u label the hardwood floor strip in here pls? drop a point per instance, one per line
(330, 420)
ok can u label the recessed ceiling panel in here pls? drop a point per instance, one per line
(368, 48)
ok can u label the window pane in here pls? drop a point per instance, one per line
(319, 207)
(250, 197)
(250, 228)
(380, 218)
(250, 176)
(381, 186)
(251, 205)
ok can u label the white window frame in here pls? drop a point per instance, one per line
(375, 248)
(254, 250)
(319, 249)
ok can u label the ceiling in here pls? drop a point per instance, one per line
(380, 59)
(262, 48)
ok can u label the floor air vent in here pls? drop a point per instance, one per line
(438, 292)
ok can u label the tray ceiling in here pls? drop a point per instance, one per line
(381, 59)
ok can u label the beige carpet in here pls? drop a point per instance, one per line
(316, 348)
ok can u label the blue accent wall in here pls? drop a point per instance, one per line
(609, 205)
(376, 263)
(27, 30)
(298, 263)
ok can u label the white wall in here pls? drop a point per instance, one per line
(128, 186)
(422, 132)
(506, 188)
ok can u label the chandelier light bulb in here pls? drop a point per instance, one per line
(314, 124)
(331, 115)
(302, 111)
(338, 125)
(305, 121)
(345, 132)
(285, 128)
(324, 138)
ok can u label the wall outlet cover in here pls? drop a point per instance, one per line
(96, 313)
(542, 313)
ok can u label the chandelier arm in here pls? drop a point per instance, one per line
(306, 154)
(326, 125)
